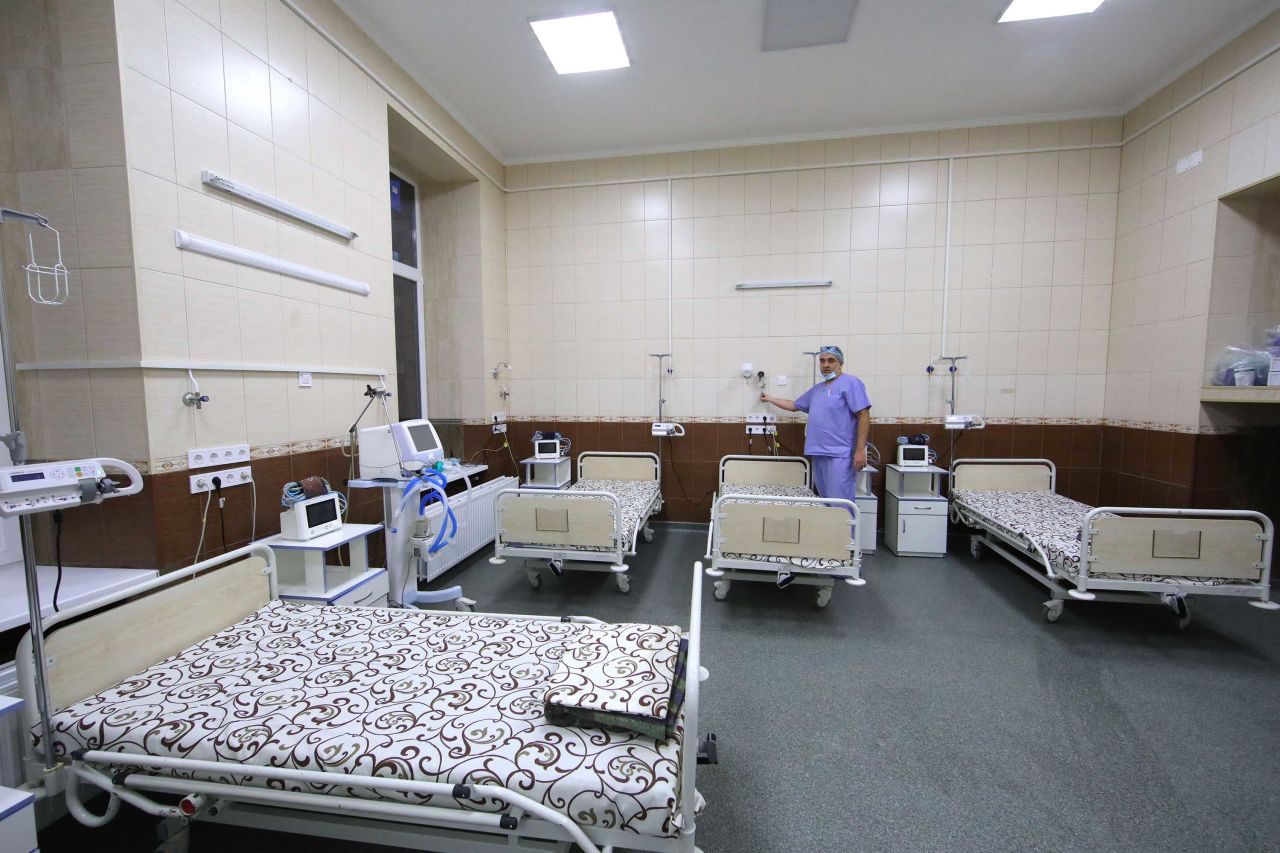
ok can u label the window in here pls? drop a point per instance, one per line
(411, 388)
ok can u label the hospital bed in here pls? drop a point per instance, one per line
(767, 523)
(1149, 555)
(424, 730)
(595, 522)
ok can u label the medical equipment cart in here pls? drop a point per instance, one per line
(915, 519)
(306, 577)
(547, 473)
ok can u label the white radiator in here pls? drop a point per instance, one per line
(474, 510)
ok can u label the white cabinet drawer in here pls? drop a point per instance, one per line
(907, 506)
(372, 593)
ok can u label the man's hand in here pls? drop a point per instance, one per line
(860, 459)
(764, 398)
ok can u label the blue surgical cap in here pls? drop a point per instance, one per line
(832, 350)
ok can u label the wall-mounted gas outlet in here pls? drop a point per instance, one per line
(203, 482)
(207, 457)
(499, 422)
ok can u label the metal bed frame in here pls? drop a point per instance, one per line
(1027, 554)
(725, 570)
(524, 825)
(583, 560)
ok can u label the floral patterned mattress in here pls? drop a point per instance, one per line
(432, 697)
(1053, 522)
(639, 498)
(815, 564)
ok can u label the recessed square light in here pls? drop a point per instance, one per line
(582, 42)
(1027, 10)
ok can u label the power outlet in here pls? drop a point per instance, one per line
(762, 419)
(201, 483)
(208, 457)
(767, 429)
(499, 422)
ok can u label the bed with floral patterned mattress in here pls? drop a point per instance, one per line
(1152, 555)
(593, 525)
(768, 525)
(397, 727)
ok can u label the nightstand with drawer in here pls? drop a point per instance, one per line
(915, 518)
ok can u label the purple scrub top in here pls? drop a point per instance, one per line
(833, 408)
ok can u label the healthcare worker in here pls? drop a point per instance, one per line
(839, 424)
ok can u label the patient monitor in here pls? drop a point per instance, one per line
(405, 445)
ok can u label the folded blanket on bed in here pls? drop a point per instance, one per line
(627, 675)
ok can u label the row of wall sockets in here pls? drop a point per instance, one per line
(228, 477)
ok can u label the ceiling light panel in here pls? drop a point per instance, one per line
(582, 42)
(1027, 10)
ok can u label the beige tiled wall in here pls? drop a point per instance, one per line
(1164, 264)
(248, 89)
(1031, 263)
(1244, 298)
(62, 156)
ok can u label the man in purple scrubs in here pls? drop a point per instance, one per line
(839, 423)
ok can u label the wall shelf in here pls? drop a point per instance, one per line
(1232, 394)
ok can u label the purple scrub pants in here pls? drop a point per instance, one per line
(834, 477)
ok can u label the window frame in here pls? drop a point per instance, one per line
(414, 274)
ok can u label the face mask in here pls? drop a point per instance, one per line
(827, 377)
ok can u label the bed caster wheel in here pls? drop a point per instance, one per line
(464, 605)
(647, 533)
(557, 566)
(624, 582)
(722, 590)
(1183, 613)
(975, 547)
(1052, 611)
(535, 579)
(824, 596)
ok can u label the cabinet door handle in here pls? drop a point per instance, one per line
(904, 525)
(370, 597)
(924, 508)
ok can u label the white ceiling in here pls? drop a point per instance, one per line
(699, 77)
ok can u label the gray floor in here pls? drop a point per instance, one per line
(933, 709)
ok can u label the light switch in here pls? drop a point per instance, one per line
(304, 379)
(782, 380)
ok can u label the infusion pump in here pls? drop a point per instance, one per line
(46, 486)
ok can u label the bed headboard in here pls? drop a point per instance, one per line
(1004, 475)
(102, 649)
(593, 465)
(765, 470)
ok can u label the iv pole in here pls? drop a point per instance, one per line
(16, 442)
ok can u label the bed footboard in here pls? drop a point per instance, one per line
(569, 519)
(819, 528)
(1229, 546)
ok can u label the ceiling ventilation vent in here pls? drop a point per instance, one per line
(806, 23)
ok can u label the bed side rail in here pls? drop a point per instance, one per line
(622, 465)
(822, 528)
(765, 470)
(1217, 544)
(1008, 475)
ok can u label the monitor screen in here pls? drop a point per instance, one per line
(423, 437)
(322, 511)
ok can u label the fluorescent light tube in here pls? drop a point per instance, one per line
(582, 42)
(272, 203)
(224, 251)
(1027, 10)
(783, 282)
